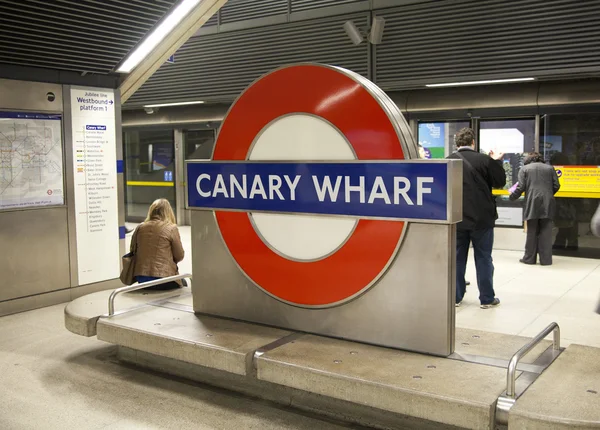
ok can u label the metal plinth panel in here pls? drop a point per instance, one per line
(410, 307)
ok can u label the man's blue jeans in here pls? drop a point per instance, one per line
(483, 242)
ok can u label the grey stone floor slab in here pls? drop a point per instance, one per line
(207, 341)
(52, 379)
(565, 396)
(438, 389)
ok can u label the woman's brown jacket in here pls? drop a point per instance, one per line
(158, 250)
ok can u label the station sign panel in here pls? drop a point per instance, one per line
(396, 190)
(300, 220)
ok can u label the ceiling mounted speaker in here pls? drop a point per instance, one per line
(376, 34)
(353, 33)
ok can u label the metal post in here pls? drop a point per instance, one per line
(536, 143)
(178, 180)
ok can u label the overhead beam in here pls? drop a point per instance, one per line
(170, 44)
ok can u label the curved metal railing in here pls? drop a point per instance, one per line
(134, 287)
(514, 361)
(507, 401)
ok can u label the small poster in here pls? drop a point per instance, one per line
(432, 139)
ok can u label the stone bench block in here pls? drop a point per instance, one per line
(438, 389)
(198, 339)
(565, 396)
(81, 315)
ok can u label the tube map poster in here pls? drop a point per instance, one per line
(31, 160)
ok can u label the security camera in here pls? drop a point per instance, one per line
(376, 34)
(51, 97)
(149, 110)
(353, 33)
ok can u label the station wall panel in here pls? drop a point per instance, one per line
(446, 40)
(35, 248)
(218, 67)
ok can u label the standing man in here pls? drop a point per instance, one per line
(481, 173)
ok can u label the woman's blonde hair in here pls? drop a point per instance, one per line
(161, 210)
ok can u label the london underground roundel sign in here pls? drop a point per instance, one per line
(313, 113)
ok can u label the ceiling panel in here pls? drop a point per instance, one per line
(218, 67)
(464, 40)
(241, 10)
(300, 5)
(90, 36)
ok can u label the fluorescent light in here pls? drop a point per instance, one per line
(174, 104)
(159, 33)
(493, 81)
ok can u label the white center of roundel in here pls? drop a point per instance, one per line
(302, 137)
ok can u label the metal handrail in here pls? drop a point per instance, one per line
(514, 361)
(134, 287)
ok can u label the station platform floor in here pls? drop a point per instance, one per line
(531, 297)
(53, 379)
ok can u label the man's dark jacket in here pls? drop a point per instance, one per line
(479, 205)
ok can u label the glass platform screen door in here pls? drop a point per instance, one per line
(149, 170)
(515, 138)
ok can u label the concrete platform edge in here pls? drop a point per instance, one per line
(400, 401)
(286, 396)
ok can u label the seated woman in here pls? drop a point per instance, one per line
(157, 246)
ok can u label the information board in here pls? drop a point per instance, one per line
(31, 160)
(510, 216)
(96, 198)
(578, 179)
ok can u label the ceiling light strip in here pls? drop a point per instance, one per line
(491, 81)
(157, 35)
(174, 104)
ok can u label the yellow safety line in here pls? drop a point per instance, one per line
(149, 184)
(568, 194)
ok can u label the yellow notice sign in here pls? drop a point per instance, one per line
(578, 179)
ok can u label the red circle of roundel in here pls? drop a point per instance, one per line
(344, 102)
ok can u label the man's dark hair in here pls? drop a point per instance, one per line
(534, 157)
(464, 137)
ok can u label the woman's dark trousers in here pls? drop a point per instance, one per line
(539, 241)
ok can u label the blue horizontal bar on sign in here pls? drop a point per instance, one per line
(30, 115)
(396, 190)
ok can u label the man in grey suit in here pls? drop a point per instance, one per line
(539, 182)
